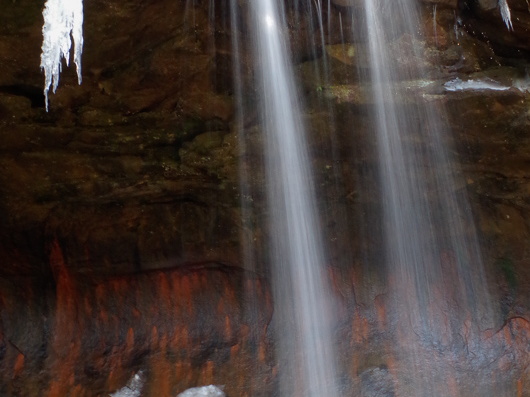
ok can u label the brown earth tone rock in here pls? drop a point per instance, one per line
(124, 233)
(181, 328)
(483, 20)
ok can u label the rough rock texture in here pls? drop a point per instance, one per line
(87, 335)
(483, 19)
(127, 242)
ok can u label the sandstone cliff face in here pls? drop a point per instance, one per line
(125, 235)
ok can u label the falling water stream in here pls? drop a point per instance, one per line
(437, 289)
(303, 304)
(432, 258)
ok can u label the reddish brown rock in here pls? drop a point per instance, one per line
(135, 174)
(181, 327)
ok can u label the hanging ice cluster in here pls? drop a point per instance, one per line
(505, 13)
(63, 21)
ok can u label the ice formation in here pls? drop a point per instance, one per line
(204, 391)
(133, 388)
(460, 85)
(506, 14)
(63, 21)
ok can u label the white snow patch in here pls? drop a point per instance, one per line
(204, 391)
(63, 21)
(133, 387)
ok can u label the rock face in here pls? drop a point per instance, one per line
(87, 335)
(128, 244)
(484, 20)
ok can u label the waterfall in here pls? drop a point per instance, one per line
(433, 263)
(437, 291)
(303, 305)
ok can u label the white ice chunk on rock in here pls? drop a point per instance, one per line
(133, 388)
(474, 85)
(204, 391)
(63, 22)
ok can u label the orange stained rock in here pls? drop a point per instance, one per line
(111, 286)
(221, 306)
(175, 281)
(103, 315)
(250, 287)
(274, 371)
(244, 331)
(508, 335)
(360, 328)
(130, 339)
(354, 365)
(205, 279)
(154, 337)
(56, 257)
(195, 280)
(333, 278)
(161, 376)
(185, 292)
(520, 388)
(229, 294)
(163, 343)
(87, 306)
(381, 312)
(136, 313)
(66, 344)
(185, 336)
(66, 291)
(228, 328)
(504, 363)
(184, 372)
(55, 389)
(262, 352)
(259, 288)
(391, 365)
(164, 289)
(116, 378)
(206, 376)
(19, 365)
(101, 295)
(234, 350)
(61, 386)
(180, 337)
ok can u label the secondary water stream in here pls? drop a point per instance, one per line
(436, 279)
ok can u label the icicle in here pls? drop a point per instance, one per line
(63, 21)
(506, 14)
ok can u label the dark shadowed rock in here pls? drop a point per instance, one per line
(178, 326)
(127, 242)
